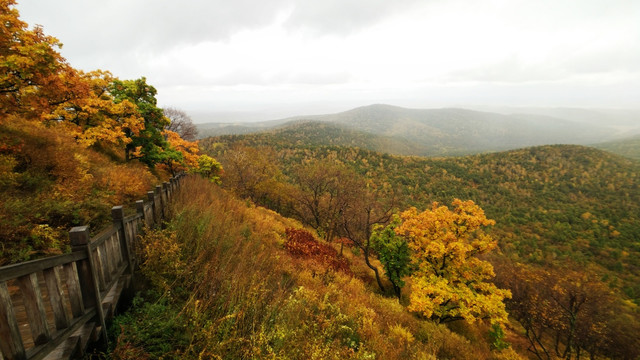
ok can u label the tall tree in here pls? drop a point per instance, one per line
(337, 202)
(181, 123)
(364, 207)
(394, 254)
(321, 197)
(149, 145)
(450, 282)
(253, 173)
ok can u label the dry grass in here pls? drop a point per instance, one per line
(240, 295)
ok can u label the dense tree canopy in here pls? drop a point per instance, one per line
(449, 281)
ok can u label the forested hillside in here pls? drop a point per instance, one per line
(551, 203)
(565, 214)
(433, 132)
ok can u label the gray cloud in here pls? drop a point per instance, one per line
(343, 16)
(380, 50)
(160, 24)
(150, 24)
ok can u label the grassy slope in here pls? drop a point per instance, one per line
(227, 289)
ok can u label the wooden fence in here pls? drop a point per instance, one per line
(52, 308)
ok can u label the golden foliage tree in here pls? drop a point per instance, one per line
(450, 282)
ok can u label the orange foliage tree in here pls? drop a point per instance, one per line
(34, 77)
(188, 151)
(449, 281)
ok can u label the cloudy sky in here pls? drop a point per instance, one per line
(293, 57)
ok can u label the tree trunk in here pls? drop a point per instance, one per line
(375, 269)
(397, 289)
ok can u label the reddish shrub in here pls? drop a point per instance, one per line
(301, 243)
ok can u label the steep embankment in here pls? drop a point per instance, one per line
(225, 287)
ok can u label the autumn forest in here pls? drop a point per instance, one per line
(318, 242)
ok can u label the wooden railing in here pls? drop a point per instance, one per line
(53, 307)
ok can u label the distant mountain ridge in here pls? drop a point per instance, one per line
(427, 132)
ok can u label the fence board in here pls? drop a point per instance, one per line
(35, 308)
(14, 271)
(73, 285)
(96, 255)
(11, 344)
(53, 279)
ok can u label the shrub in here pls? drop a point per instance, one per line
(301, 243)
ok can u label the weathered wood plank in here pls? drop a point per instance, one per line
(75, 293)
(41, 351)
(98, 266)
(118, 247)
(114, 251)
(86, 283)
(35, 308)
(85, 333)
(68, 349)
(107, 257)
(11, 272)
(94, 270)
(11, 344)
(53, 280)
(104, 235)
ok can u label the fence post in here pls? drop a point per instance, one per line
(80, 241)
(169, 189)
(167, 194)
(140, 210)
(151, 197)
(117, 213)
(161, 203)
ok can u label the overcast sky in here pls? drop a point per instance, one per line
(293, 57)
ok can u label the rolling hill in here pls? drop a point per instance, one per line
(629, 147)
(430, 132)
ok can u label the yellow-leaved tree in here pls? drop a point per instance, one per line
(449, 281)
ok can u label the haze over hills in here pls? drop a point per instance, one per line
(443, 132)
(629, 147)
